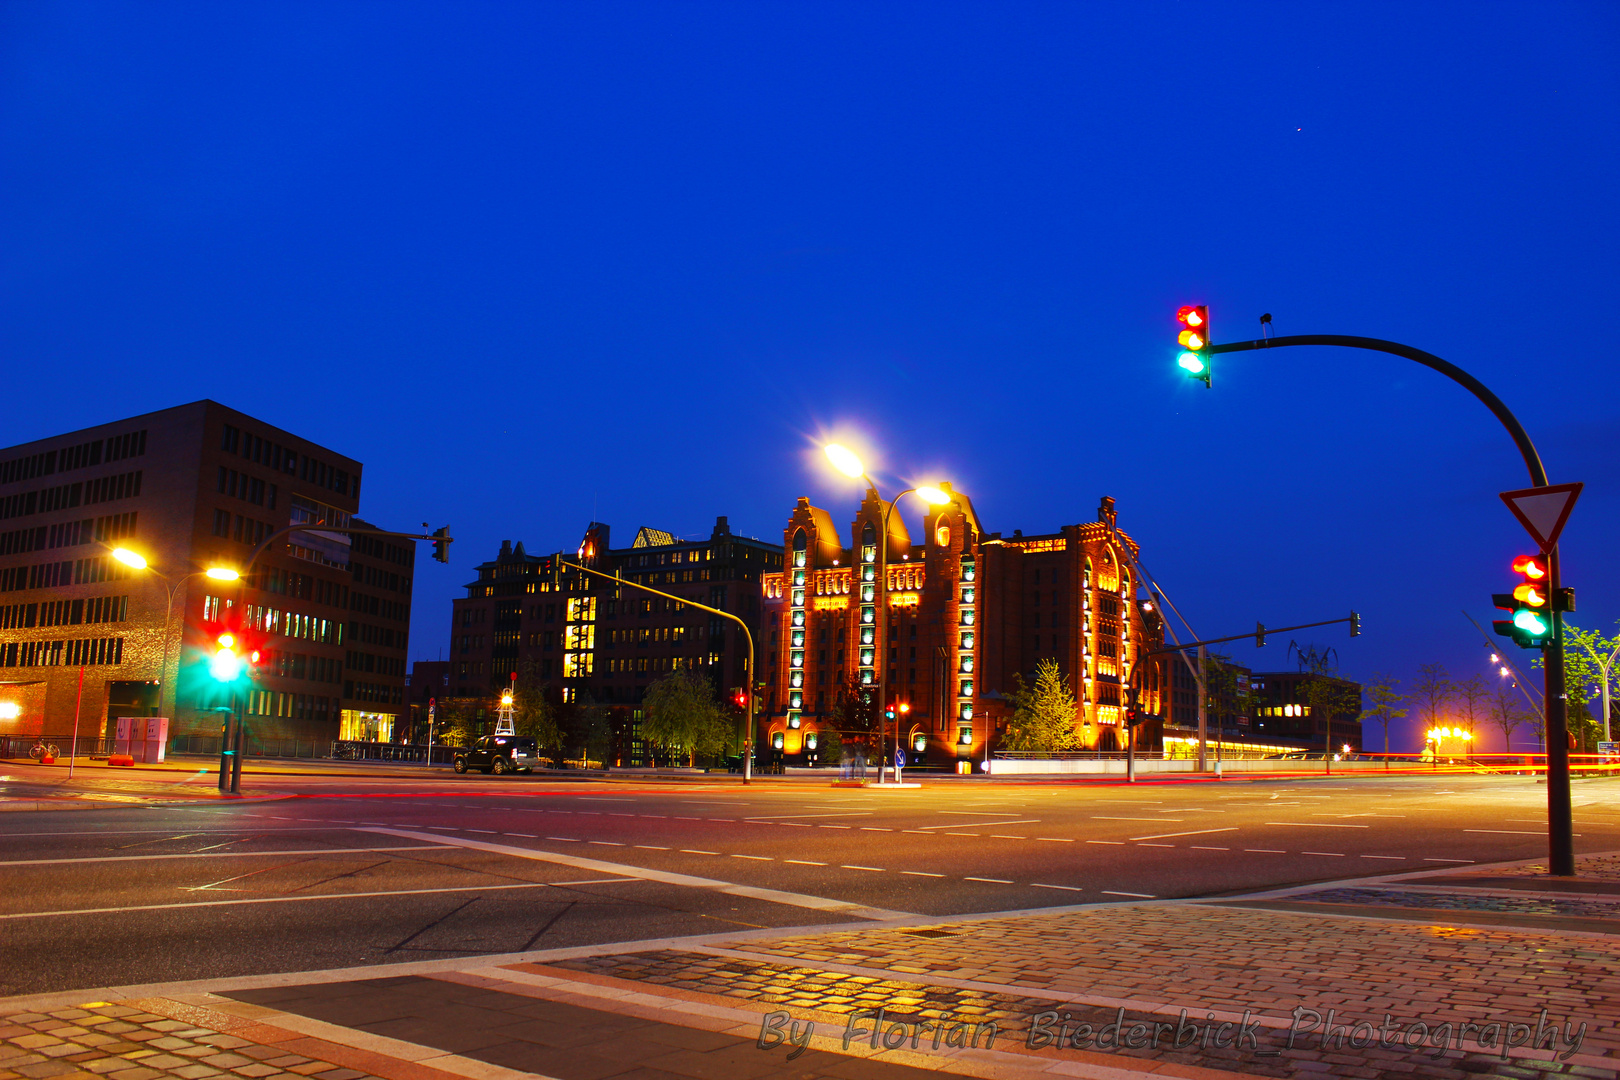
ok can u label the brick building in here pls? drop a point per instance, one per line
(188, 488)
(594, 642)
(944, 626)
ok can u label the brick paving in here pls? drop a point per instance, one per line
(1154, 960)
(1591, 868)
(1573, 907)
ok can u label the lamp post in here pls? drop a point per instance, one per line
(847, 462)
(137, 561)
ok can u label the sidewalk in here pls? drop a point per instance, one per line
(1437, 974)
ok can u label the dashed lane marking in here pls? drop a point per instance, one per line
(1065, 888)
(920, 873)
(874, 869)
(991, 880)
(1137, 895)
(1335, 854)
(695, 851)
(758, 858)
(1193, 832)
(1264, 851)
(805, 862)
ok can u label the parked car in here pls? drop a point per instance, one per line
(498, 754)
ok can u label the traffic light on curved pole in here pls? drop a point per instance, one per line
(1530, 602)
(1193, 338)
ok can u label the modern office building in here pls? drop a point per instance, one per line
(601, 643)
(1283, 712)
(938, 630)
(194, 487)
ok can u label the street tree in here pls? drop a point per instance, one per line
(1583, 681)
(681, 715)
(1043, 715)
(855, 716)
(533, 714)
(1507, 712)
(1383, 704)
(456, 725)
(1431, 691)
(1472, 695)
(1326, 697)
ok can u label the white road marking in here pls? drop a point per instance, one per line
(805, 862)
(920, 873)
(305, 899)
(220, 855)
(779, 817)
(1104, 817)
(605, 843)
(1397, 858)
(1138, 895)
(1156, 845)
(976, 824)
(1115, 843)
(775, 896)
(1335, 854)
(1057, 839)
(1194, 832)
(1265, 851)
(874, 869)
(1449, 860)
(695, 851)
(1511, 832)
(1004, 836)
(1317, 825)
(759, 858)
(1065, 888)
(565, 839)
(1201, 847)
(991, 880)
(651, 847)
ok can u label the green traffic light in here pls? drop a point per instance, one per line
(1530, 622)
(1192, 363)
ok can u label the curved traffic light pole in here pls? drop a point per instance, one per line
(1560, 824)
(748, 670)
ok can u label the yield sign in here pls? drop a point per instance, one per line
(1543, 510)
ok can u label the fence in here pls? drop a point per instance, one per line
(21, 746)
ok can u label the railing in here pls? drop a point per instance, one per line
(354, 750)
(22, 746)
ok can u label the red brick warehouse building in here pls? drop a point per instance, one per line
(944, 625)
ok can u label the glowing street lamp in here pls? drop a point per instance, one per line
(848, 462)
(136, 561)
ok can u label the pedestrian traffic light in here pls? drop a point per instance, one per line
(1194, 341)
(1530, 601)
(441, 544)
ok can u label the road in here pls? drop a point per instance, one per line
(359, 869)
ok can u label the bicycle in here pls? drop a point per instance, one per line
(41, 750)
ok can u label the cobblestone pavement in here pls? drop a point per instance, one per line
(1573, 907)
(125, 1041)
(1590, 868)
(1154, 960)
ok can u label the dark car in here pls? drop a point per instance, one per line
(498, 754)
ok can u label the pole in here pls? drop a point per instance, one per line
(1203, 706)
(1560, 823)
(1560, 815)
(73, 750)
(236, 750)
(224, 750)
(1327, 758)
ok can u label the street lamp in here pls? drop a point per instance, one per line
(135, 560)
(848, 462)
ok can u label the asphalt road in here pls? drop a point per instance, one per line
(366, 869)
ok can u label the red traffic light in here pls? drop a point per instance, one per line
(1533, 567)
(1193, 317)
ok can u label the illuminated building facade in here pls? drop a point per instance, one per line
(188, 488)
(944, 625)
(596, 643)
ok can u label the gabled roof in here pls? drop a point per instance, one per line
(648, 537)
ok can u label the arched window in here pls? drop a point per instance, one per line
(800, 544)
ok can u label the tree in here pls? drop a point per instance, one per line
(1326, 697)
(533, 715)
(1383, 705)
(456, 727)
(1472, 694)
(1043, 714)
(855, 714)
(1431, 690)
(681, 715)
(1584, 652)
(1506, 712)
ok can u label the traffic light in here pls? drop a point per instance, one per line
(441, 544)
(1355, 625)
(739, 698)
(1531, 604)
(1194, 341)
(226, 663)
(888, 714)
(1259, 635)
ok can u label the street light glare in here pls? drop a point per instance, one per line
(933, 495)
(129, 558)
(844, 460)
(9, 710)
(222, 573)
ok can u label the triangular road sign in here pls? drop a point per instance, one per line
(1543, 510)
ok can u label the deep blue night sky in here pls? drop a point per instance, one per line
(538, 263)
